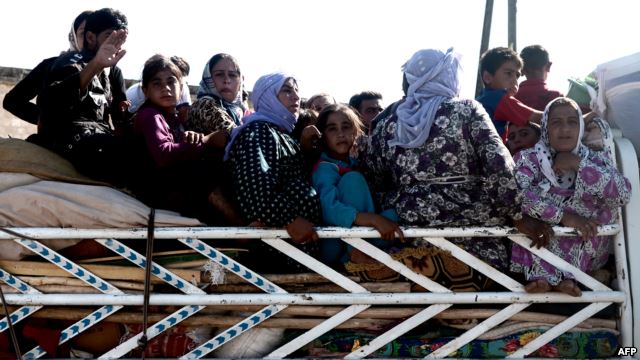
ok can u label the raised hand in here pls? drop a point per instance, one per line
(111, 51)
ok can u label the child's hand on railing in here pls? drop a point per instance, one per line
(301, 231)
(538, 231)
(387, 228)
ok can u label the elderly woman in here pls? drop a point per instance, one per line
(564, 182)
(438, 161)
(267, 164)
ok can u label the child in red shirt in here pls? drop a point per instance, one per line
(534, 91)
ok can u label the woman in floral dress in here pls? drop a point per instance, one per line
(438, 160)
(564, 182)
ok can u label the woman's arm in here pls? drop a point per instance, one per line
(18, 99)
(598, 177)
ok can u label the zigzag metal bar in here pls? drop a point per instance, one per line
(558, 330)
(234, 331)
(249, 276)
(23, 312)
(75, 329)
(399, 267)
(17, 284)
(232, 265)
(322, 328)
(398, 331)
(81, 274)
(315, 265)
(153, 331)
(476, 263)
(18, 316)
(167, 276)
(328, 273)
(477, 330)
(157, 270)
(558, 262)
(69, 267)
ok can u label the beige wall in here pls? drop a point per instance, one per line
(11, 126)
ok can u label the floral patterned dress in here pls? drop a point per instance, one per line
(598, 191)
(462, 175)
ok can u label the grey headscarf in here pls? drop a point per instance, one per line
(433, 77)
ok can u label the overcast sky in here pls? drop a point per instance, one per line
(337, 46)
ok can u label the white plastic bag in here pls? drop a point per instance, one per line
(619, 94)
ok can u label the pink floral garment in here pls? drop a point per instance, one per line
(598, 191)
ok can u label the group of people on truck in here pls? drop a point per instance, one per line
(514, 157)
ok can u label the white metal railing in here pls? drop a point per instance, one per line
(274, 299)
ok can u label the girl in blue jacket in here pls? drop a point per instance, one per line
(344, 193)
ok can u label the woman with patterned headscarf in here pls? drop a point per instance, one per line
(438, 161)
(564, 182)
(267, 164)
(219, 105)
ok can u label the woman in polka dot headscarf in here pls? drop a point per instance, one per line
(267, 164)
(564, 182)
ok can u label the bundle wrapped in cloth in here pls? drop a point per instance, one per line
(38, 188)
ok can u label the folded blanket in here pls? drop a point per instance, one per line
(26, 201)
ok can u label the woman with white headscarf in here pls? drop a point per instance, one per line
(564, 182)
(267, 164)
(438, 161)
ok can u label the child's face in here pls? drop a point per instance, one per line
(320, 103)
(339, 135)
(563, 127)
(226, 79)
(521, 137)
(506, 77)
(164, 90)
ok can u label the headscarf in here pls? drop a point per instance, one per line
(268, 107)
(73, 40)
(207, 88)
(546, 153)
(433, 77)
